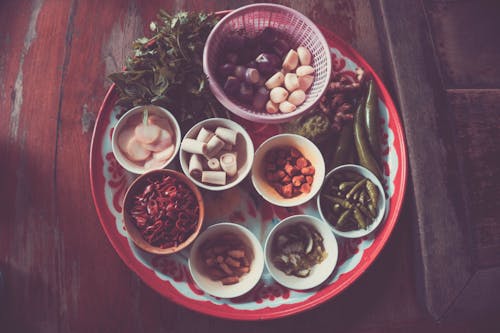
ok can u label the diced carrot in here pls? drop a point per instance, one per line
(298, 180)
(287, 190)
(301, 162)
(308, 171)
(280, 174)
(286, 180)
(305, 188)
(291, 170)
(309, 179)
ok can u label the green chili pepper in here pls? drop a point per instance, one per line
(359, 218)
(372, 209)
(356, 188)
(343, 203)
(346, 185)
(366, 158)
(371, 120)
(343, 218)
(363, 197)
(366, 211)
(372, 192)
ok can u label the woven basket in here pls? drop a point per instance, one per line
(297, 29)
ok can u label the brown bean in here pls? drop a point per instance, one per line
(237, 254)
(230, 280)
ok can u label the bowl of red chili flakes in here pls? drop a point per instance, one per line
(163, 211)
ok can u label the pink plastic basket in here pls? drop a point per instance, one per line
(298, 29)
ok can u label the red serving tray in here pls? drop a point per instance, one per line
(169, 275)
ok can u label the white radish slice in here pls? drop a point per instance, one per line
(195, 166)
(164, 140)
(147, 133)
(226, 134)
(228, 164)
(193, 146)
(204, 135)
(126, 134)
(213, 177)
(165, 154)
(136, 152)
(161, 122)
(213, 164)
(214, 146)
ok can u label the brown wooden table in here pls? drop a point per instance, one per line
(440, 268)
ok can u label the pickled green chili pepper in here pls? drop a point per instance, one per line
(356, 188)
(372, 209)
(372, 192)
(366, 211)
(345, 185)
(359, 218)
(343, 218)
(343, 203)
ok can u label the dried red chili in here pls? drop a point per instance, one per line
(166, 211)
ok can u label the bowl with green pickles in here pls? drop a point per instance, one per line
(352, 200)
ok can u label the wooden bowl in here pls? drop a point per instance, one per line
(137, 186)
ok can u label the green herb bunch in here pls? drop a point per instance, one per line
(167, 69)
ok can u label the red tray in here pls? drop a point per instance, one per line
(169, 275)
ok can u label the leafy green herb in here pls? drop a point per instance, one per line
(167, 69)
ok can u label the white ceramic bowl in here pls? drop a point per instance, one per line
(320, 272)
(137, 112)
(307, 148)
(244, 148)
(381, 205)
(216, 288)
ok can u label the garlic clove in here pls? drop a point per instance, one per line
(272, 107)
(304, 70)
(304, 55)
(275, 81)
(291, 61)
(297, 97)
(287, 107)
(305, 82)
(291, 81)
(278, 95)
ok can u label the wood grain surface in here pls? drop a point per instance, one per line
(59, 270)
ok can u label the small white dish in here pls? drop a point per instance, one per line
(307, 148)
(137, 112)
(381, 205)
(319, 272)
(246, 282)
(244, 148)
